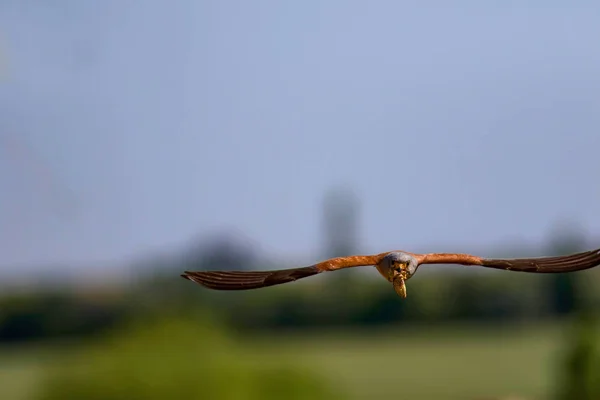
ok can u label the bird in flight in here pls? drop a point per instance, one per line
(395, 266)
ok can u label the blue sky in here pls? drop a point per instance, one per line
(129, 127)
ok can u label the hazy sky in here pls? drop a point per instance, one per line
(129, 126)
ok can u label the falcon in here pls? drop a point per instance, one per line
(395, 266)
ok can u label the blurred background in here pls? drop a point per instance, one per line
(141, 139)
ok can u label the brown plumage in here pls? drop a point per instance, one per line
(243, 280)
(395, 266)
(541, 265)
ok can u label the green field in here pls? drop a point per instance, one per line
(417, 363)
(21, 370)
(424, 364)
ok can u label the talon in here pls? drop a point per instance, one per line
(400, 287)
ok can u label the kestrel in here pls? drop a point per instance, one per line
(395, 266)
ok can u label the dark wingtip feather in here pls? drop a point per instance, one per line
(568, 263)
(244, 280)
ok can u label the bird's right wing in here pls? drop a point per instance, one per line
(244, 280)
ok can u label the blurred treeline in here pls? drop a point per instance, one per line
(346, 298)
(156, 313)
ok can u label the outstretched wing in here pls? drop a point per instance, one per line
(244, 280)
(566, 263)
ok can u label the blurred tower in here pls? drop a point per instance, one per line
(566, 291)
(578, 371)
(340, 231)
(340, 222)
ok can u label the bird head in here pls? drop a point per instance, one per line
(398, 267)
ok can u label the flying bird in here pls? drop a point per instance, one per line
(395, 266)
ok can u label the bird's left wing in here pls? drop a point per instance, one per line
(565, 263)
(244, 280)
